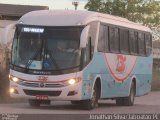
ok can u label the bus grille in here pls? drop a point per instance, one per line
(37, 84)
(38, 92)
(29, 84)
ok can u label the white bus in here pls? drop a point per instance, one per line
(79, 56)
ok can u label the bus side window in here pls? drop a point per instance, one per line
(92, 33)
(124, 42)
(88, 52)
(106, 38)
(148, 43)
(103, 39)
(141, 43)
(114, 39)
(133, 42)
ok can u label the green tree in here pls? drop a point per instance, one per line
(146, 12)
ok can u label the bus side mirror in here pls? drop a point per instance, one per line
(9, 34)
(84, 37)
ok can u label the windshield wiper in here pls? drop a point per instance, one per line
(38, 51)
(54, 61)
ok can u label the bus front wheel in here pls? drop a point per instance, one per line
(93, 102)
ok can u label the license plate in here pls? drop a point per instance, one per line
(42, 97)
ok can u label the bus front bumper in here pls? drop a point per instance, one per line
(70, 92)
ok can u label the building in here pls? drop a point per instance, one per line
(11, 13)
(14, 12)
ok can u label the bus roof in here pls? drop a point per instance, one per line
(75, 18)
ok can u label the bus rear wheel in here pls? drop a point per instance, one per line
(127, 101)
(93, 102)
(34, 103)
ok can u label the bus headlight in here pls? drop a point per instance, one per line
(71, 81)
(9, 76)
(11, 90)
(14, 79)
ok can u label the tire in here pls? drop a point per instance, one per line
(93, 102)
(127, 101)
(34, 103)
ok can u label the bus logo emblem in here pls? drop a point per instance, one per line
(41, 85)
(43, 78)
(121, 65)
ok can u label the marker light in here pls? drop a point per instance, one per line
(15, 79)
(72, 81)
(9, 76)
(11, 90)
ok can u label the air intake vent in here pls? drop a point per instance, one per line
(38, 92)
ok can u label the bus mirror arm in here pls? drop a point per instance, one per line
(84, 37)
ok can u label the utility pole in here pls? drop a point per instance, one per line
(75, 3)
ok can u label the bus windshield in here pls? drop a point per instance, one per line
(46, 48)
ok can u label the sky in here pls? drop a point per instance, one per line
(53, 4)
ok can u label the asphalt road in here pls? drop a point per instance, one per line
(61, 109)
